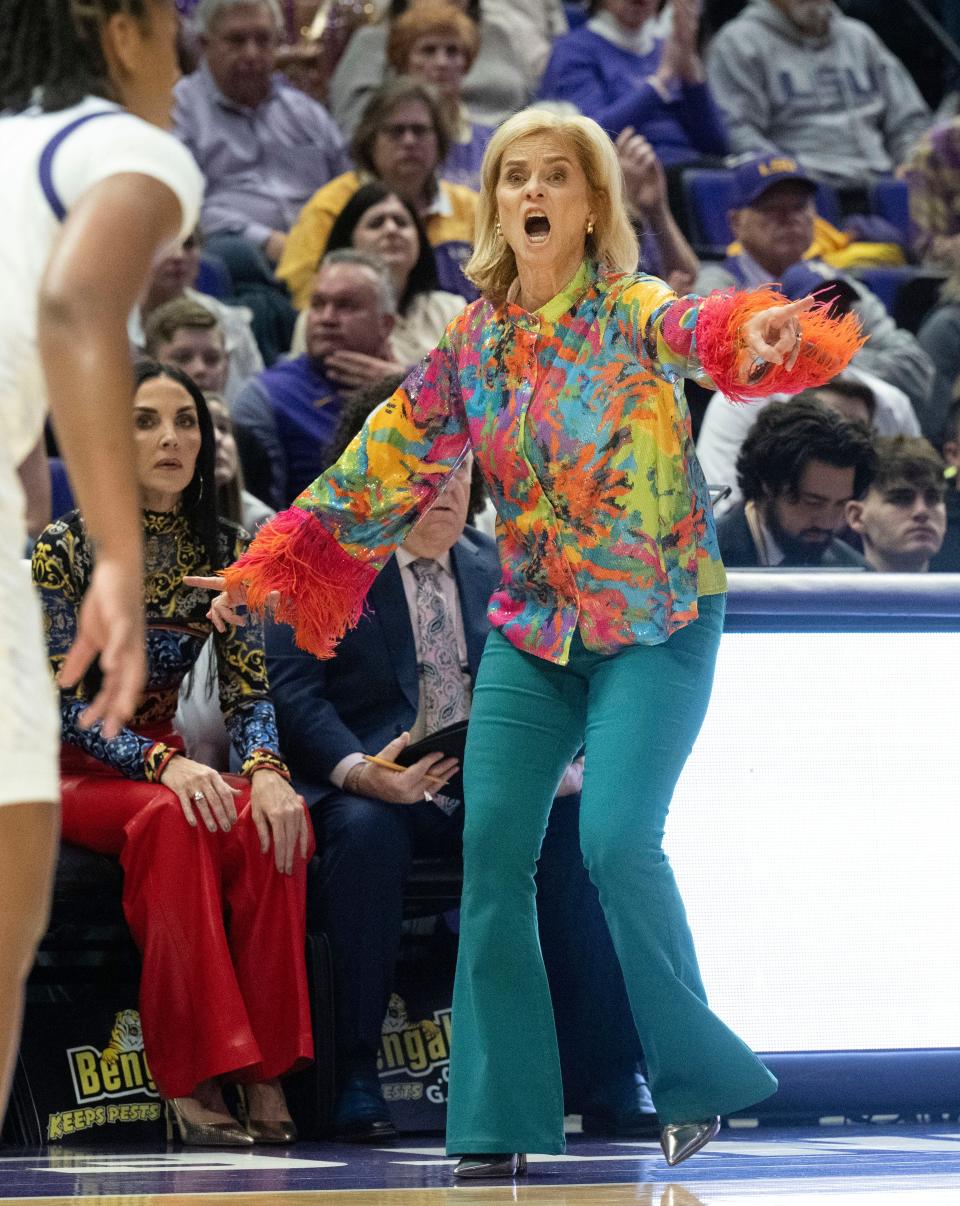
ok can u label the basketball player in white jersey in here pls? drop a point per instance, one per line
(92, 188)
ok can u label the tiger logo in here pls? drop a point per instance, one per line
(126, 1035)
(397, 1019)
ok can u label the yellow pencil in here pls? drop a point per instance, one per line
(395, 766)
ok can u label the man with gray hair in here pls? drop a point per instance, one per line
(290, 410)
(264, 146)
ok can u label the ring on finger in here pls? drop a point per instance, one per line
(198, 796)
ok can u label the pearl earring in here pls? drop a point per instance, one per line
(590, 227)
(499, 230)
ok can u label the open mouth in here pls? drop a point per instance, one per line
(536, 226)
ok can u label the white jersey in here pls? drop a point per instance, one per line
(48, 161)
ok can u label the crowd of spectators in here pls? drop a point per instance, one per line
(328, 262)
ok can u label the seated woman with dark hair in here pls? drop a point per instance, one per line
(377, 220)
(220, 1000)
(234, 501)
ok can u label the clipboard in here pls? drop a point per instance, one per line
(449, 741)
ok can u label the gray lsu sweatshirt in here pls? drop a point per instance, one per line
(842, 104)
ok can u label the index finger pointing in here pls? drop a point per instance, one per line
(213, 583)
(798, 307)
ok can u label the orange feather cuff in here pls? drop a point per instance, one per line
(827, 344)
(322, 588)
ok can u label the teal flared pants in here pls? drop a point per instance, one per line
(637, 712)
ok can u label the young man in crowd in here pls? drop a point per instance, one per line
(902, 517)
(798, 469)
(727, 424)
(173, 279)
(187, 334)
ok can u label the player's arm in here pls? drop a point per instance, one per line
(93, 279)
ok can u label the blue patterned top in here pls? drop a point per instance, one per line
(177, 629)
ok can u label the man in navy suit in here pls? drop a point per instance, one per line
(371, 822)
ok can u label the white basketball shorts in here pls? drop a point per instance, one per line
(29, 713)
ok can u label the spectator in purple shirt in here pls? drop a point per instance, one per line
(288, 413)
(264, 147)
(623, 70)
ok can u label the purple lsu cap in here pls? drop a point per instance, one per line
(752, 179)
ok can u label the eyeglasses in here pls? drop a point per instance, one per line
(395, 131)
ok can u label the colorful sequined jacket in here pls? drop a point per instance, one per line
(176, 631)
(577, 418)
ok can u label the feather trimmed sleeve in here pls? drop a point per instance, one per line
(827, 344)
(322, 554)
(701, 338)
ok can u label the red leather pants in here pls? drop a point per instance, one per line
(223, 990)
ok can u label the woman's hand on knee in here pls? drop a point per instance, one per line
(280, 816)
(200, 789)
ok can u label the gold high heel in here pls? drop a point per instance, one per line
(499, 1164)
(261, 1131)
(680, 1140)
(203, 1134)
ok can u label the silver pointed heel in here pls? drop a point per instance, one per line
(680, 1140)
(260, 1131)
(497, 1164)
(203, 1134)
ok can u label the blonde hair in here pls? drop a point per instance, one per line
(493, 267)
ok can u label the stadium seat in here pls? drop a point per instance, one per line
(708, 192)
(885, 283)
(908, 293)
(889, 199)
(213, 277)
(61, 500)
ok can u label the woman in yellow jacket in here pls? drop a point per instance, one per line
(401, 139)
